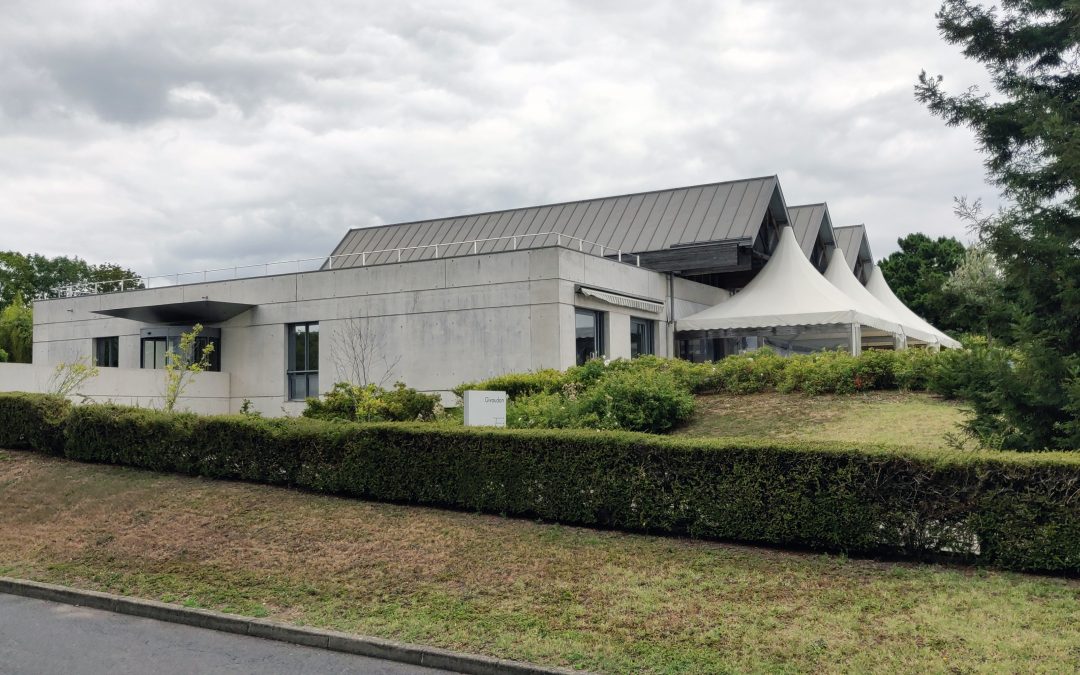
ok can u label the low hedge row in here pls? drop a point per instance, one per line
(1008, 510)
(33, 422)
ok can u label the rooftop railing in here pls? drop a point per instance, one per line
(386, 256)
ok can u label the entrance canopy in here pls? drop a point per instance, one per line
(879, 288)
(789, 291)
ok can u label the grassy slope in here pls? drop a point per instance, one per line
(598, 600)
(898, 418)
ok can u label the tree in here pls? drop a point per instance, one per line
(68, 377)
(360, 355)
(17, 330)
(1027, 131)
(976, 294)
(182, 365)
(917, 274)
(35, 275)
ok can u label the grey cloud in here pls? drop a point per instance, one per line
(169, 137)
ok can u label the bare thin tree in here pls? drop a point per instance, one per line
(360, 354)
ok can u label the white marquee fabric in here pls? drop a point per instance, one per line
(879, 288)
(840, 275)
(788, 291)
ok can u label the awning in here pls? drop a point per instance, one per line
(622, 300)
(185, 313)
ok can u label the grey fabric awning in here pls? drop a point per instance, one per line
(622, 300)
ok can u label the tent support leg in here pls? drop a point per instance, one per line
(900, 342)
(856, 339)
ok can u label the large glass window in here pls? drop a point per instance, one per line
(155, 347)
(642, 336)
(107, 352)
(303, 367)
(589, 334)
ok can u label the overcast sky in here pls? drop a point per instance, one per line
(177, 136)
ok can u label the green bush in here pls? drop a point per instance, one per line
(1006, 509)
(33, 422)
(353, 403)
(748, 373)
(913, 369)
(626, 400)
(542, 411)
(517, 385)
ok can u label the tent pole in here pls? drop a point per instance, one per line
(856, 339)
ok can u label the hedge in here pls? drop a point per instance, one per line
(33, 422)
(1010, 510)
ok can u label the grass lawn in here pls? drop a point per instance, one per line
(897, 418)
(602, 601)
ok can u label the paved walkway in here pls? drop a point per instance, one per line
(50, 638)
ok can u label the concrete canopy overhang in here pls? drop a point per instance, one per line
(180, 313)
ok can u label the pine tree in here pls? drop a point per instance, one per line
(1029, 130)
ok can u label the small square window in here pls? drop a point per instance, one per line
(107, 352)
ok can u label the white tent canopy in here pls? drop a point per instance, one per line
(840, 275)
(879, 288)
(788, 291)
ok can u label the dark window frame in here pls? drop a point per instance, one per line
(164, 343)
(107, 351)
(649, 348)
(599, 318)
(307, 372)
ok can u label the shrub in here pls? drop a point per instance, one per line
(517, 385)
(1006, 509)
(913, 368)
(623, 399)
(371, 403)
(542, 411)
(404, 404)
(748, 373)
(33, 422)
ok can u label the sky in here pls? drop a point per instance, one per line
(179, 136)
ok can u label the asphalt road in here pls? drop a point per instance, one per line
(39, 637)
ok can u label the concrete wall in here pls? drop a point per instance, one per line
(435, 323)
(207, 394)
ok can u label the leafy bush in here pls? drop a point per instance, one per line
(542, 411)
(913, 368)
(622, 399)
(33, 422)
(517, 385)
(1012, 510)
(750, 372)
(371, 403)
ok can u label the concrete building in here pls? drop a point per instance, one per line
(439, 302)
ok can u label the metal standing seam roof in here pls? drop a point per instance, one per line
(809, 222)
(852, 238)
(632, 223)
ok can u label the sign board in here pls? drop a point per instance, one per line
(485, 408)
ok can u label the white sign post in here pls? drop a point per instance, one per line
(485, 408)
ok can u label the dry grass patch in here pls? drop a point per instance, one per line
(598, 600)
(898, 418)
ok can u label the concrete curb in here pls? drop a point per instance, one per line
(417, 655)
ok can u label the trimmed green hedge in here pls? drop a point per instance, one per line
(1016, 511)
(33, 422)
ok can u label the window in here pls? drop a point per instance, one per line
(153, 351)
(303, 367)
(156, 342)
(589, 334)
(107, 352)
(642, 336)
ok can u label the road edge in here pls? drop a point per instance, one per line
(389, 650)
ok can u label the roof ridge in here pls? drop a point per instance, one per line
(562, 203)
